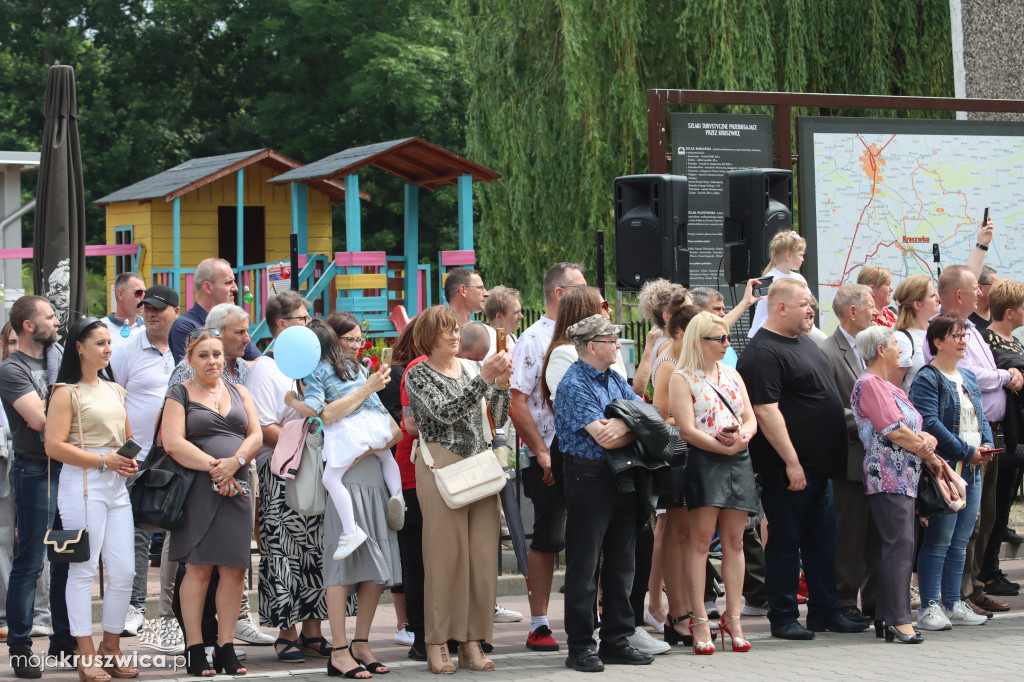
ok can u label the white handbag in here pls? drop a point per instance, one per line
(305, 493)
(470, 479)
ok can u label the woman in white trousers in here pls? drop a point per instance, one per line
(86, 424)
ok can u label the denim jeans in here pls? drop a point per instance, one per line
(801, 527)
(940, 564)
(29, 482)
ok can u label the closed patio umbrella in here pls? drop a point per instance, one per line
(59, 236)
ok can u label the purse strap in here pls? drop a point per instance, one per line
(725, 401)
(81, 440)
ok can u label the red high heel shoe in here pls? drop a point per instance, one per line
(738, 643)
(701, 648)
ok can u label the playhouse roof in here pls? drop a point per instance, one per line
(185, 177)
(417, 161)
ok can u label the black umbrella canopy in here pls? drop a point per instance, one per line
(59, 239)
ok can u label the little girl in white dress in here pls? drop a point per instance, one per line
(367, 428)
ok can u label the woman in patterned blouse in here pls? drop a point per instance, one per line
(894, 447)
(460, 558)
(880, 281)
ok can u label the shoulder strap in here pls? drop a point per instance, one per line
(909, 338)
(725, 401)
(488, 431)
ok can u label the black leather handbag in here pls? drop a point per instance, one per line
(159, 490)
(68, 546)
(930, 502)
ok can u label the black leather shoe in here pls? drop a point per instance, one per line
(626, 655)
(418, 653)
(837, 622)
(854, 614)
(585, 661)
(23, 664)
(791, 631)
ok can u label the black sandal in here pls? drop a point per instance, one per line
(196, 663)
(349, 674)
(316, 646)
(375, 667)
(224, 660)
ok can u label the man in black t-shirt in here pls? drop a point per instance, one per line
(801, 443)
(25, 380)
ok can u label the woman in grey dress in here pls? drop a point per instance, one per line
(376, 563)
(211, 426)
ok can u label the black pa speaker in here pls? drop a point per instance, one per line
(650, 230)
(758, 204)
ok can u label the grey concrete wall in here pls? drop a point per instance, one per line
(993, 52)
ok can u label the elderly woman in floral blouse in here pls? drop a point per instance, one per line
(894, 448)
(460, 558)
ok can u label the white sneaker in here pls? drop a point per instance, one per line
(751, 610)
(248, 630)
(348, 543)
(396, 512)
(932, 618)
(403, 636)
(503, 615)
(653, 622)
(962, 614)
(133, 620)
(642, 641)
(915, 597)
(40, 630)
(162, 634)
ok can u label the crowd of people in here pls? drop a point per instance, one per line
(827, 438)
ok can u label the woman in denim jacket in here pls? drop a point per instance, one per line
(963, 436)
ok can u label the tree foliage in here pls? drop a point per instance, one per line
(557, 94)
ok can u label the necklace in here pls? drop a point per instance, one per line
(215, 399)
(455, 370)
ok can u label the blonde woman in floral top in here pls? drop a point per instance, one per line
(713, 412)
(460, 561)
(894, 448)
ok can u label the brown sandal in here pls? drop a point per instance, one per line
(122, 672)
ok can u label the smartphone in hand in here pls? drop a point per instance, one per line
(130, 449)
(762, 288)
(500, 333)
(385, 356)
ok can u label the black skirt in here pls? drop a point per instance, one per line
(721, 481)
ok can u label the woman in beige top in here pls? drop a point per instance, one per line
(86, 423)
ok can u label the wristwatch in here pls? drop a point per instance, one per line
(241, 460)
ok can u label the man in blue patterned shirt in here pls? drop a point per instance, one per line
(598, 517)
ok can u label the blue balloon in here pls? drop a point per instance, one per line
(297, 352)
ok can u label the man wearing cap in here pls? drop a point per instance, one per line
(142, 365)
(598, 518)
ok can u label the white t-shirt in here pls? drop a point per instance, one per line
(492, 334)
(142, 370)
(761, 307)
(268, 386)
(911, 354)
(970, 429)
(562, 358)
(114, 325)
(528, 361)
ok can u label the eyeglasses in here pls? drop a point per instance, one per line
(723, 339)
(474, 286)
(352, 340)
(615, 340)
(959, 337)
(212, 331)
(454, 332)
(137, 293)
(305, 318)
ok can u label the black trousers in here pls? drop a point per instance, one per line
(410, 546)
(1007, 483)
(599, 521)
(642, 572)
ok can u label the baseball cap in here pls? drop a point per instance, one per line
(160, 296)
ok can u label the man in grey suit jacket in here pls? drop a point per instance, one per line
(858, 547)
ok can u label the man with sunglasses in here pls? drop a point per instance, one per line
(959, 292)
(125, 322)
(858, 556)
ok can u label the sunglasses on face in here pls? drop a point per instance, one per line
(723, 339)
(137, 293)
